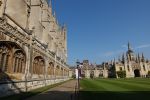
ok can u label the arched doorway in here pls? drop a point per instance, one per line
(136, 73)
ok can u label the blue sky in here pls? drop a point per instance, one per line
(99, 30)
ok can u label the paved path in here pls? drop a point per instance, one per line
(64, 91)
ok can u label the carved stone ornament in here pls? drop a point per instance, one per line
(1, 2)
(4, 25)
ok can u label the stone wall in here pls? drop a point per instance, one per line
(9, 88)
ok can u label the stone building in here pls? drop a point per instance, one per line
(133, 65)
(87, 70)
(33, 46)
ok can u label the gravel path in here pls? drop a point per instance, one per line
(64, 91)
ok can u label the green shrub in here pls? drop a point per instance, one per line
(148, 73)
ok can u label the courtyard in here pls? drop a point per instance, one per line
(115, 89)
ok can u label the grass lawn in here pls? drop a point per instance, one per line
(115, 89)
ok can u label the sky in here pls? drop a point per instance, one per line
(99, 30)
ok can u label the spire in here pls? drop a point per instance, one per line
(139, 57)
(129, 47)
(142, 55)
(65, 27)
(119, 58)
(136, 58)
(50, 3)
(143, 58)
(114, 61)
(123, 58)
(104, 65)
(50, 6)
(111, 61)
(54, 14)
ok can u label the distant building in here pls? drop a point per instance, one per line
(87, 70)
(133, 65)
(129, 66)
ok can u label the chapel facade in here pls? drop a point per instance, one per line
(134, 65)
(33, 46)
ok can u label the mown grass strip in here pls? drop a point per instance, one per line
(128, 85)
(114, 90)
(142, 81)
(90, 85)
(110, 87)
(142, 85)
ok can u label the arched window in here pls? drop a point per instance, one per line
(120, 68)
(50, 69)
(19, 62)
(4, 55)
(61, 71)
(57, 71)
(38, 66)
(2, 36)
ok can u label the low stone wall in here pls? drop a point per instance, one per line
(13, 87)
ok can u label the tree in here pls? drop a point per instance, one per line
(148, 72)
(121, 74)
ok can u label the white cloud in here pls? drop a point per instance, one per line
(112, 53)
(143, 46)
(124, 46)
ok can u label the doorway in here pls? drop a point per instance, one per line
(136, 73)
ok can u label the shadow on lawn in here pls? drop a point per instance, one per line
(55, 95)
(104, 95)
(50, 95)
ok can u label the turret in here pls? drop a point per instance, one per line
(129, 47)
(143, 58)
(123, 59)
(136, 60)
(50, 6)
(139, 59)
(50, 3)
(130, 53)
(114, 62)
(54, 14)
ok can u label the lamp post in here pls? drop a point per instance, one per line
(78, 67)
